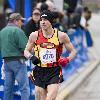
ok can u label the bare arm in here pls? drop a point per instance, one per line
(30, 44)
(63, 37)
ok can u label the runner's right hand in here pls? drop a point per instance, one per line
(35, 60)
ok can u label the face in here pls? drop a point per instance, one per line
(36, 15)
(44, 23)
(19, 22)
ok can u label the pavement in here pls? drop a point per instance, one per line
(69, 86)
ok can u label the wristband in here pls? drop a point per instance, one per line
(63, 61)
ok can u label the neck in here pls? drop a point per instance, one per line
(48, 32)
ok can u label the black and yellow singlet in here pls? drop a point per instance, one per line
(48, 50)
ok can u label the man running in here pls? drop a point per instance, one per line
(47, 44)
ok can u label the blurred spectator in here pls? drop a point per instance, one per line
(2, 21)
(8, 11)
(88, 17)
(38, 5)
(44, 6)
(79, 9)
(70, 14)
(77, 16)
(84, 17)
(76, 20)
(33, 24)
(58, 21)
(2, 16)
(12, 45)
(65, 20)
(51, 5)
(47, 5)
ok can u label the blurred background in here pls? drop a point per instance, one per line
(77, 18)
(25, 7)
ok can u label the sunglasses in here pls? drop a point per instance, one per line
(37, 14)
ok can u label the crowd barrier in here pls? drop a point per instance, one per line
(78, 39)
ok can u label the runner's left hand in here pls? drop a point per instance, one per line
(63, 61)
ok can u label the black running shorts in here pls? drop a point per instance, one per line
(44, 76)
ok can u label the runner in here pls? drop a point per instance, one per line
(47, 44)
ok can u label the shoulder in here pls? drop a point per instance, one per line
(33, 36)
(19, 30)
(63, 36)
(19, 33)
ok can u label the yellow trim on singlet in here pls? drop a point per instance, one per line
(54, 40)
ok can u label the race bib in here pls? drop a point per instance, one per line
(47, 55)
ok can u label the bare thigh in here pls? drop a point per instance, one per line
(40, 93)
(52, 91)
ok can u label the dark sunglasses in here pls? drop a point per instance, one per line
(37, 14)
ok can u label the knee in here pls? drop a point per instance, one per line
(51, 95)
